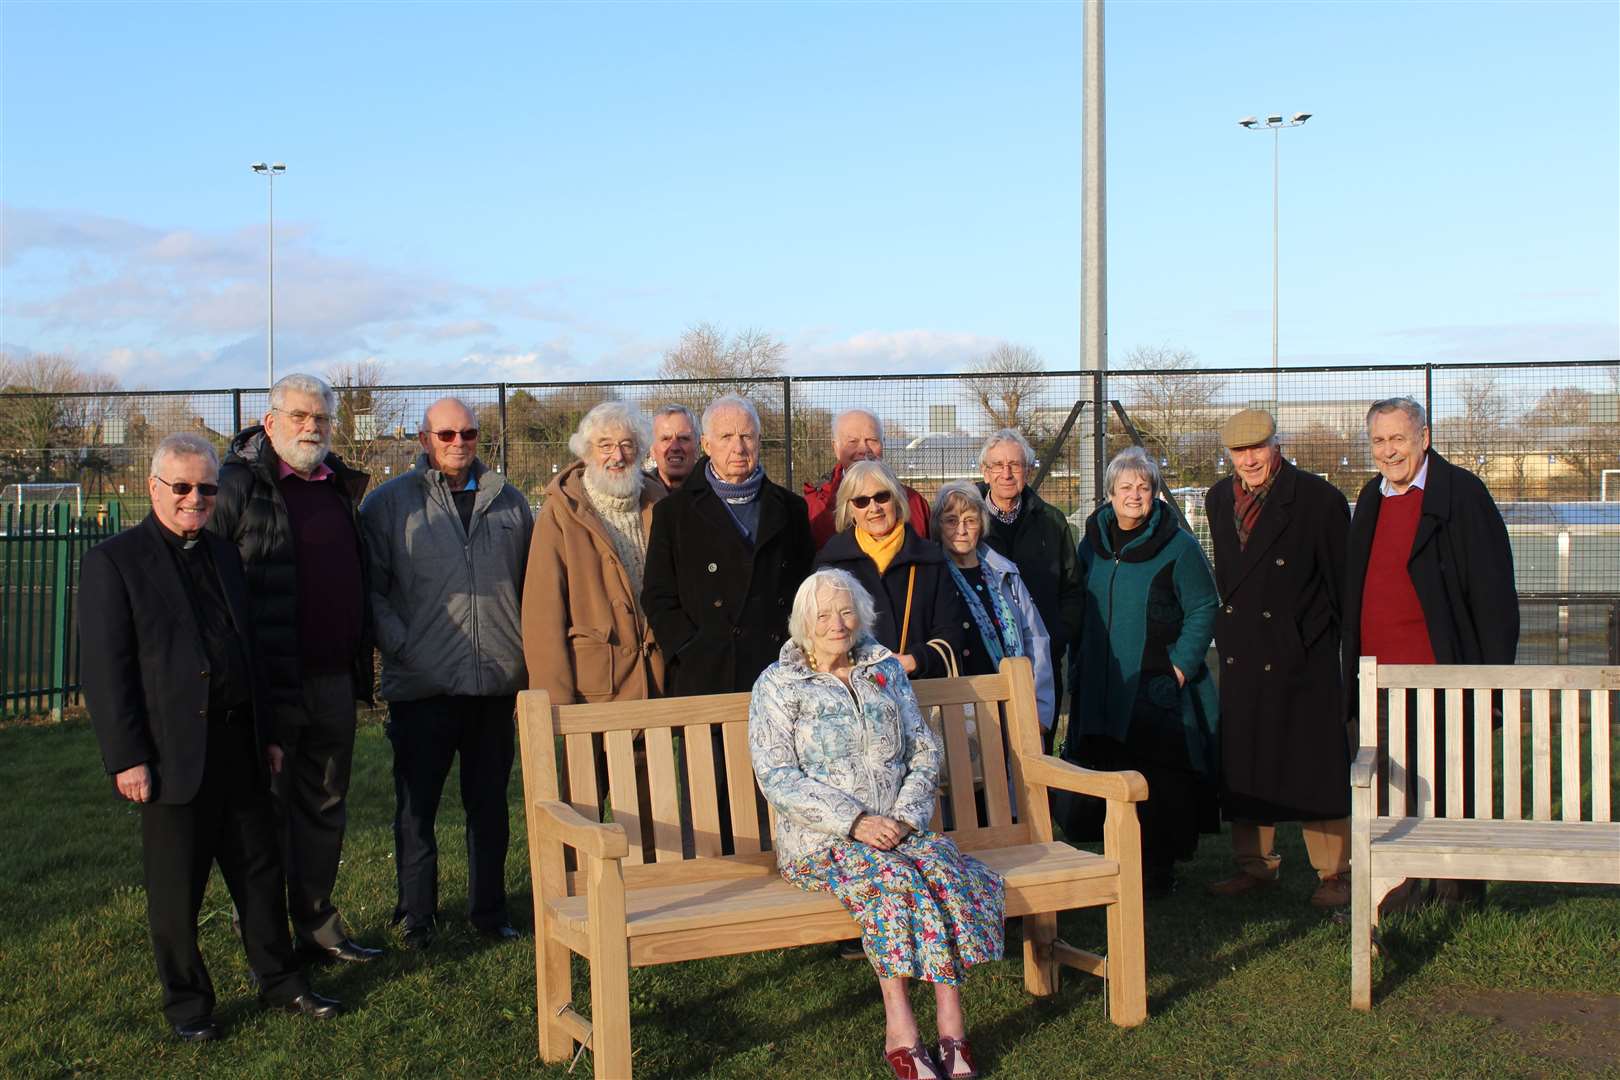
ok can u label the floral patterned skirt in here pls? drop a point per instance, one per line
(926, 910)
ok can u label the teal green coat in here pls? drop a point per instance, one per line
(1149, 606)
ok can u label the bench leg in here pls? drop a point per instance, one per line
(553, 991)
(1361, 928)
(1127, 956)
(1040, 966)
(610, 971)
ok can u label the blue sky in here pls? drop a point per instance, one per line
(524, 191)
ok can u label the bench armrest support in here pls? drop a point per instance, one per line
(1055, 772)
(562, 822)
(1363, 767)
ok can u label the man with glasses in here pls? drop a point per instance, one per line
(1037, 537)
(447, 544)
(290, 506)
(166, 643)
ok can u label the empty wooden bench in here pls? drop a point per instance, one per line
(618, 910)
(1399, 828)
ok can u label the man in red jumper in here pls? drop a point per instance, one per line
(857, 435)
(1430, 572)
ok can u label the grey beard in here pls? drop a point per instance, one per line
(620, 485)
(303, 456)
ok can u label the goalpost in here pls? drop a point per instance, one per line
(19, 495)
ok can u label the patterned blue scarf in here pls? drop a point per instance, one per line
(1007, 643)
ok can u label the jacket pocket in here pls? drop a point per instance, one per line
(1313, 626)
(591, 653)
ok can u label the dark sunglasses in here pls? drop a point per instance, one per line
(861, 502)
(449, 434)
(181, 487)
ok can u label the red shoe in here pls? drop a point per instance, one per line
(954, 1054)
(907, 1062)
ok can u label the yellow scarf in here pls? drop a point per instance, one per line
(882, 551)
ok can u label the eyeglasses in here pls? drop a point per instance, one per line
(861, 502)
(182, 487)
(299, 417)
(449, 435)
(1004, 466)
(625, 446)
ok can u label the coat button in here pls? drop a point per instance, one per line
(203, 674)
(1268, 667)
(718, 603)
(736, 631)
(1229, 609)
(1229, 659)
(965, 626)
(713, 567)
(1281, 562)
(1265, 614)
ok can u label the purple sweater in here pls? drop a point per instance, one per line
(330, 593)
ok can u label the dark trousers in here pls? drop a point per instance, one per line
(426, 735)
(311, 802)
(229, 822)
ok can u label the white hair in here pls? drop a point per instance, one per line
(732, 401)
(1404, 404)
(300, 383)
(183, 444)
(423, 426)
(855, 478)
(1133, 459)
(611, 415)
(868, 413)
(1007, 435)
(807, 605)
(961, 495)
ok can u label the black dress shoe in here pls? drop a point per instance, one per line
(348, 950)
(308, 1004)
(500, 932)
(196, 1031)
(417, 938)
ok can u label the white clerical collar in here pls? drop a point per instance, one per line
(1386, 489)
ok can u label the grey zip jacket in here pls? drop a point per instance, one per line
(445, 599)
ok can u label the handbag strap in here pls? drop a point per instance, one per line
(905, 625)
(947, 654)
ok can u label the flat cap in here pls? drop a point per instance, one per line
(1251, 427)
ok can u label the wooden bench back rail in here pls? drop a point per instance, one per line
(1506, 716)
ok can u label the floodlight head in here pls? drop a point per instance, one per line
(279, 166)
(1301, 117)
(1248, 122)
(1273, 121)
(259, 166)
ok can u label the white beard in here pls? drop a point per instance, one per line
(303, 456)
(620, 485)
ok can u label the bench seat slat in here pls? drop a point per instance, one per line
(719, 905)
(1469, 834)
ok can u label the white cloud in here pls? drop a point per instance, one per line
(875, 352)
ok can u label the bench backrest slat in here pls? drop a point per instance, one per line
(740, 787)
(993, 755)
(622, 789)
(698, 744)
(665, 792)
(951, 721)
(1452, 740)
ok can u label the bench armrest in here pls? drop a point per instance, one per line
(562, 822)
(1055, 772)
(1363, 768)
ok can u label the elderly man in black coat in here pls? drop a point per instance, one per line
(727, 551)
(1429, 576)
(173, 695)
(1279, 537)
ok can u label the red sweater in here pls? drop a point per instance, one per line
(1392, 626)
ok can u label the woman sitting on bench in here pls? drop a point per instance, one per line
(842, 752)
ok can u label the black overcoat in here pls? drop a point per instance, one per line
(143, 664)
(937, 610)
(1285, 753)
(1461, 567)
(718, 605)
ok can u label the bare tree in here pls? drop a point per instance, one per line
(1477, 432)
(1005, 384)
(1576, 434)
(732, 362)
(1173, 405)
(66, 411)
(371, 422)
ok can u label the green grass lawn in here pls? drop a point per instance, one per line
(1256, 985)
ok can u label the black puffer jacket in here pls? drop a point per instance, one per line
(251, 514)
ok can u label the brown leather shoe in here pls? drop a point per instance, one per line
(1332, 892)
(1238, 884)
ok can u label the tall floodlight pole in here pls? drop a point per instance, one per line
(1274, 124)
(1093, 235)
(269, 173)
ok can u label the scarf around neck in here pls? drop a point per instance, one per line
(882, 550)
(999, 645)
(741, 499)
(1247, 503)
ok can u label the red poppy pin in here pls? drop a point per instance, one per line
(877, 677)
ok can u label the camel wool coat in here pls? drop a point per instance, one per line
(584, 635)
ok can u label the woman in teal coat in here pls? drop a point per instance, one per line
(1144, 698)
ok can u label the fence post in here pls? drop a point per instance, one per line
(500, 390)
(1099, 437)
(1428, 397)
(787, 428)
(236, 411)
(62, 558)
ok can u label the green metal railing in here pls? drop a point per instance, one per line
(40, 549)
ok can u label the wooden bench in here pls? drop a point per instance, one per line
(618, 910)
(1399, 828)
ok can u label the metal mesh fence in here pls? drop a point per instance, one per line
(1544, 437)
